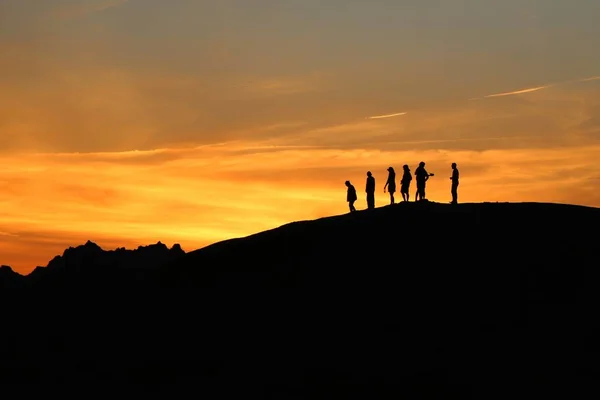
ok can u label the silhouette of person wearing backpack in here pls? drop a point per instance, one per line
(351, 196)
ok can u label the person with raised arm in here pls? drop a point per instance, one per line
(422, 177)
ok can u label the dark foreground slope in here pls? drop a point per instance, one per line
(421, 300)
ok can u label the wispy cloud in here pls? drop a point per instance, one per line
(387, 115)
(535, 89)
(456, 140)
(8, 234)
(513, 93)
(83, 8)
(254, 87)
(522, 91)
(593, 78)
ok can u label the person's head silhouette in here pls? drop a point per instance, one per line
(421, 164)
(369, 173)
(348, 183)
(453, 165)
(390, 169)
(406, 167)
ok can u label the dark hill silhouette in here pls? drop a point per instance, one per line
(412, 301)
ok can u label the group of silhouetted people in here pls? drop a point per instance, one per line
(421, 176)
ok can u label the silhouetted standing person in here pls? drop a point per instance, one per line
(370, 190)
(405, 183)
(422, 177)
(351, 196)
(390, 184)
(454, 179)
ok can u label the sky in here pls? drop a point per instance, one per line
(128, 122)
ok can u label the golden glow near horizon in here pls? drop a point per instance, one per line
(132, 122)
(199, 196)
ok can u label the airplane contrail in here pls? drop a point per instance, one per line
(535, 89)
(522, 91)
(516, 92)
(386, 115)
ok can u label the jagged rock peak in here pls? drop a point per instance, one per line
(87, 248)
(91, 244)
(177, 247)
(157, 245)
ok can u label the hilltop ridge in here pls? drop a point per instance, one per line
(155, 255)
(423, 300)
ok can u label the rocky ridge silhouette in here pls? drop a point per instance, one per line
(91, 257)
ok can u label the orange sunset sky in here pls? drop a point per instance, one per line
(129, 122)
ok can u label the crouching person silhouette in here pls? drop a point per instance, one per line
(351, 196)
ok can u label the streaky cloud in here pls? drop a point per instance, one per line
(8, 234)
(535, 89)
(457, 140)
(86, 8)
(387, 115)
(513, 93)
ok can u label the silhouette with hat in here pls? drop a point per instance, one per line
(370, 190)
(390, 184)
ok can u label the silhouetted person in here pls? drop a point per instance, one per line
(405, 183)
(390, 184)
(370, 190)
(454, 189)
(422, 177)
(351, 196)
